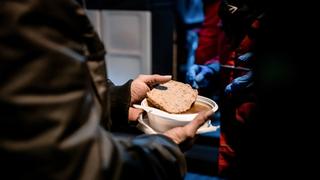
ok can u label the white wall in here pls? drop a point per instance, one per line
(127, 38)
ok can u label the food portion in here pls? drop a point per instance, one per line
(197, 107)
(173, 97)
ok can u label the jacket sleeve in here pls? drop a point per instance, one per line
(50, 125)
(115, 100)
(118, 96)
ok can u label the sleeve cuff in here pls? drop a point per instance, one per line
(119, 105)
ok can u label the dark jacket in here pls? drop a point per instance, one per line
(54, 115)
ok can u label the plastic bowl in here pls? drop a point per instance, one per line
(162, 121)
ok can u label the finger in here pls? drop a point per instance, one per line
(194, 68)
(134, 114)
(193, 71)
(200, 76)
(195, 85)
(190, 75)
(154, 79)
(199, 120)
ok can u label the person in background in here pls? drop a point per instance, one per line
(190, 16)
(58, 110)
(223, 70)
(284, 79)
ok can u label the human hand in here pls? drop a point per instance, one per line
(198, 76)
(134, 114)
(239, 83)
(187, 132)
(245, 57)
(139, 88)
(141, 85)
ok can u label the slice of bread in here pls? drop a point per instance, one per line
(172, 97)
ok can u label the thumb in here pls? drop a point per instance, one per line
(199, 120)
(200, 76)
(134, 114)
(204, 73)
(154, 79)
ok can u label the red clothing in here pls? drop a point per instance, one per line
(211, 37)
(214, 46)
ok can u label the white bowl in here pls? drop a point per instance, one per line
(162, 121)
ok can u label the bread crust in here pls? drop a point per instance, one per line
(173, 97)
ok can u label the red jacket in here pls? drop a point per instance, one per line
(215, 45)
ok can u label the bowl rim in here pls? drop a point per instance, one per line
(183, 117)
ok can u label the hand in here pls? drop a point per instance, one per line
(187, 132)
(198, 76)
(134, 114)
(239, 83)
(143, 84)
(139, 89)
(245, 57)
